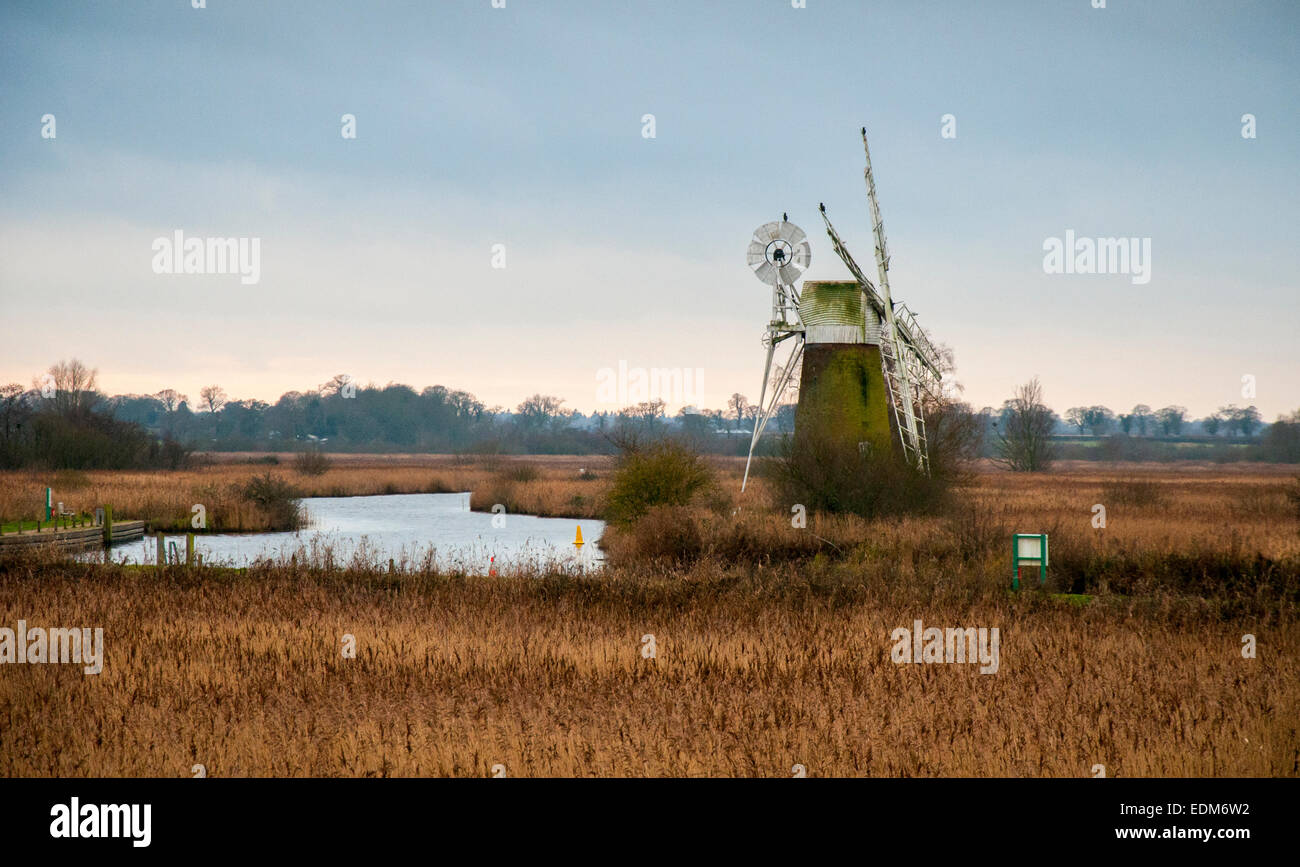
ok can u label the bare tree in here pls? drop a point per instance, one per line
(74, 386)
(738, 404)
(170, 398)
(539, 410)
(647, 413)
(214, 398)
(336, 385)
(1024, 436)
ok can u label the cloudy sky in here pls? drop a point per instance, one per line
(522, 126)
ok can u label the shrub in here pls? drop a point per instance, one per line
(825, 474)
(661, 473)
(666, 534)
(276, 498)
(977, 533)
(498, 491)
(312, 462)
(521, 473)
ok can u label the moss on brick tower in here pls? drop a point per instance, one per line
(842, 396)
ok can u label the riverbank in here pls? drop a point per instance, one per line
(166, 499)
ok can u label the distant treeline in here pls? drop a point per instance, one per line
(65, 422)
(68, 428)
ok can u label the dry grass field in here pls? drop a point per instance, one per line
(772, 642)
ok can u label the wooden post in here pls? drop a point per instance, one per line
(162, 552)
(189, 549)
(108, 526)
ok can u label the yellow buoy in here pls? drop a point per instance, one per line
(577, 541)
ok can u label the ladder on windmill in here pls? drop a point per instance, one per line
(915, 447)
(901, 362)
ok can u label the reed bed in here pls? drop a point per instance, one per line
(772, 640)
(754, 671)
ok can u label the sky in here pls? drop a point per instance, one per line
(517, 136)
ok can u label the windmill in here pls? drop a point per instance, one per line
(863, 357)
(778, 255)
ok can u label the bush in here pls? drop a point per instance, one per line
(661, 473)
(521, 473)
(276, 498)
(668, 534)
(312, 462)
(825, 474)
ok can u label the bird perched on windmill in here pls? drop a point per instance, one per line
(863, 360)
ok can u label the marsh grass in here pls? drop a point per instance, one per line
(757, 669)
(773, 640)
(1133, 492)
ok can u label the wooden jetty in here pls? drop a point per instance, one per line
(76, 538)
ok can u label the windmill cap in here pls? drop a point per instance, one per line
(833, 311)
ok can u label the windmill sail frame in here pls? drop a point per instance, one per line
(909, 360)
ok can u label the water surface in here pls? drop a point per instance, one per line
(407, 528)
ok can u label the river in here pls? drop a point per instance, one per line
(410, 529)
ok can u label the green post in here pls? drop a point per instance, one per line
(189, 549)
(49, 502)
